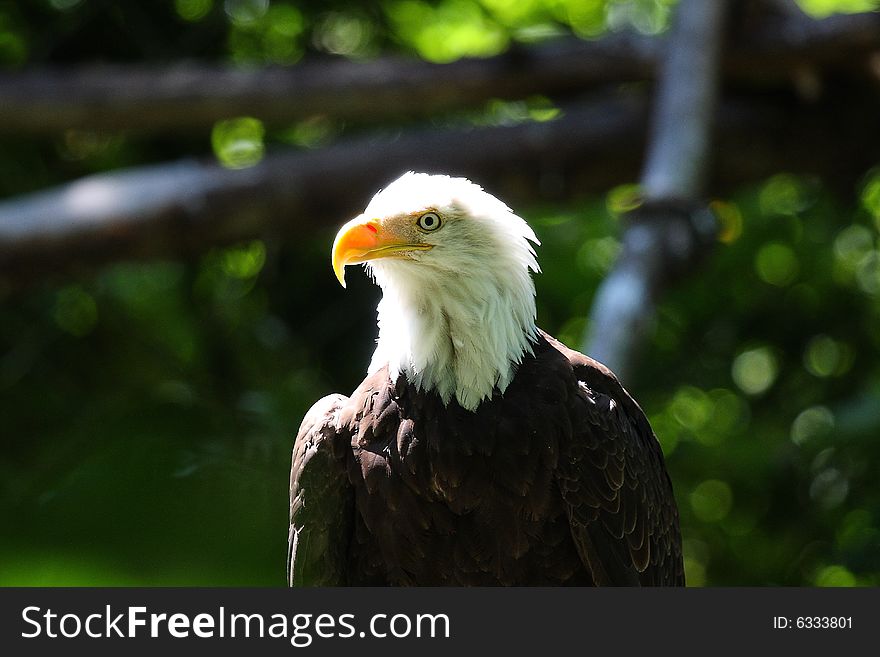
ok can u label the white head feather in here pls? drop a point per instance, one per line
(459, 317)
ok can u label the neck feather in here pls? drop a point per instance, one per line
(460, 335)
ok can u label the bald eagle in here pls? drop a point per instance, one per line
(478, 450)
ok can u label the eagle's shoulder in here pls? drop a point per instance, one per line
(590, 371)
(613, 478)
(371, 409)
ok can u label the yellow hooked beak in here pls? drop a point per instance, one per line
(363, 239)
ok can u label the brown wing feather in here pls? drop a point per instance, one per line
(613, 478)
(321, 499)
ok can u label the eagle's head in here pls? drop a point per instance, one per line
(458, 311)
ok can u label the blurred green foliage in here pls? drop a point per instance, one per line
(822, 8)
(148, 410)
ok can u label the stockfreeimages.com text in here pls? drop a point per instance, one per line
(299, 629)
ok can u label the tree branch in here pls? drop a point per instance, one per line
(665, 234)
(190, 96)
(176, 209)
(166, 210)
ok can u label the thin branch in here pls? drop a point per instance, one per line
(189, 96)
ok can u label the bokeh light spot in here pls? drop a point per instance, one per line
(835, 576)
(344, 34)
(624, 198)
(313, 132)
(711, 500)
(811, 423)
(193, 10)
(784, 194)
(852, 244)
(695, 572)
(776, 264)
(868, 274)
(829, 488)
(13, 46)
(75, 311)
(238, 143)
(857, 532)
(825, 356)
(871, 196)
(246, 261)
(691, 407)
(730, 221)
(64, 5)
(596, 256)
(728, 410)
(645, 17)
(755, 370)
(244, 12)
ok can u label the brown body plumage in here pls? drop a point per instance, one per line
(558, 481)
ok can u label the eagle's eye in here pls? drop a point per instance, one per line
(429, 221)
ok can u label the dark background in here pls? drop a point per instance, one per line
(148, 406)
